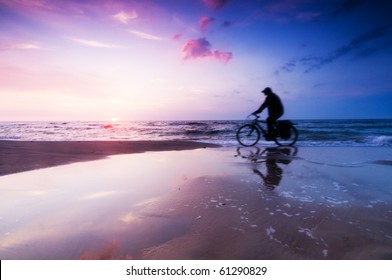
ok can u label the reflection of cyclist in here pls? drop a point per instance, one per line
(275, 109)
(271, 157)
(273, 176)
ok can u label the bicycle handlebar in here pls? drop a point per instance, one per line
(256, 117)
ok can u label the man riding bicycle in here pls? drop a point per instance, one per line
(275, 109)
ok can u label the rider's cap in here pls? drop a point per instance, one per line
(267, 90)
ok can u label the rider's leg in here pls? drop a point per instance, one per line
(271, 124)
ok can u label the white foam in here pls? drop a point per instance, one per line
(325, 252)
(382, 140)
(270, 231)
(308, 232)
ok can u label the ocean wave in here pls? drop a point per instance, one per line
(375, 133)
(382, 140)
(196, 123)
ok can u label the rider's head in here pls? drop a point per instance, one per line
(267, 91)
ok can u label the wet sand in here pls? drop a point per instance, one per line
(20, 156)
(225, 203)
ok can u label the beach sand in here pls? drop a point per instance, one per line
(19, 156)
(221, 203)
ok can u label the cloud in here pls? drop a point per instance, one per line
(177, 36)
(289, 10)
(204, 22)
(144, 35)
(95, 44)
(372, 50)
(360, 46)
(347, 7)
(227, 23)
(307, 16)
(215, 4)
(201, 48)
(355, 44)
(289, 66)
(196, 49)
(223, 56)
(124, 17)
(21, 46)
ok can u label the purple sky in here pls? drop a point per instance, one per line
(196, 59)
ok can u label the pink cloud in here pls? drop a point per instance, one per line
(204, 22)
(223, 56)
(215, 4)
(125, 17)
(201, 48)
(196, 49)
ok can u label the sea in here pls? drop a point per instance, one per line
(357, 132)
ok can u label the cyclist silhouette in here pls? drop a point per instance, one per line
(275, 109)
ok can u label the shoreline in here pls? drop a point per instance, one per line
(21, 156)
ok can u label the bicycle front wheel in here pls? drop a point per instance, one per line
(248, 135)
(287, 141)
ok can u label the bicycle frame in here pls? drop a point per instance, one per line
(247, 137)
(256, 122)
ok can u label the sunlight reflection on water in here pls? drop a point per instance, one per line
(121, 206)
(83, 198)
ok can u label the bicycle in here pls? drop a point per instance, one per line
(284, 134)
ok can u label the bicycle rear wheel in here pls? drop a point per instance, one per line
(248, 135)
(287, 141)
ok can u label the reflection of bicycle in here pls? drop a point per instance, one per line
(271, 157)
(284, 134)
(280, 154)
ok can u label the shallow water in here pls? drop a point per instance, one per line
(286, 203)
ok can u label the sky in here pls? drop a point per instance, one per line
(193, 60)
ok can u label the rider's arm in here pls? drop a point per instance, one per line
(262, 107)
